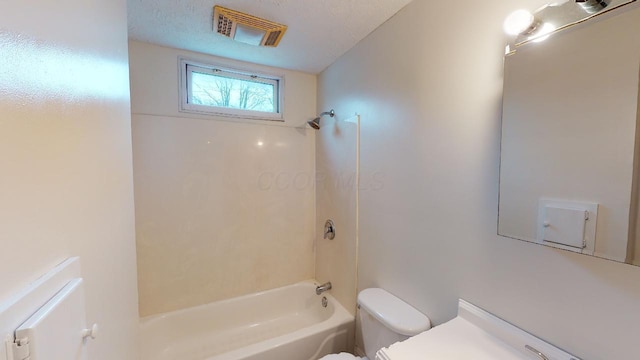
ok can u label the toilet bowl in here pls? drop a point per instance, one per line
(341, 356)
(385, 320)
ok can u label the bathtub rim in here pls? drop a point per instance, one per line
(341, 320)
(146, 320)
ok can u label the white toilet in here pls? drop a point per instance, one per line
(385, 319)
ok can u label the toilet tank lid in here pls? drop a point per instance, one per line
(392, 312)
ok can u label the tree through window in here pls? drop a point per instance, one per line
(231, 93)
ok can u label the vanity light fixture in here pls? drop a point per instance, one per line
(592, 6)
(525, 27)
(520, 22)
(543, 33)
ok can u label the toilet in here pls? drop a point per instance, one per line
(385, 320)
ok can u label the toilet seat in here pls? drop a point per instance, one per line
(341, 356)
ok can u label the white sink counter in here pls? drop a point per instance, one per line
(474, 334)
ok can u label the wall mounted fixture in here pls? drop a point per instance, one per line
(525, 27)
(519, 22)
(329, 230)
(315, 123)
(592, 6)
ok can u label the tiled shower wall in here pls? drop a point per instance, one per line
(223, 208)
(336, 199)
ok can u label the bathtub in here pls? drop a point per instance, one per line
(289, 323)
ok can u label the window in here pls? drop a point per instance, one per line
(220, 91)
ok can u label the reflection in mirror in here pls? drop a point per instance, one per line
(569, 165)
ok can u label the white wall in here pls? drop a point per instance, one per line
(223, 207)
(65, 153)
(428, 86)
(582, 147)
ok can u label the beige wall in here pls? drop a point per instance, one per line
(428, 86)
(223, 207)
(65, 153)
(582, 147)
(336, 199)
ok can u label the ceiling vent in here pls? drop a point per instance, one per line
(247, 28)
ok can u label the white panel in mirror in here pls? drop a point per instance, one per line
(568, 225)
(570, 115)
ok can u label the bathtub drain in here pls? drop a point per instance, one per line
(325, 302)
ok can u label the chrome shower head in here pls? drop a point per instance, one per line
(315, 123)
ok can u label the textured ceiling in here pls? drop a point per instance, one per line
(320, 31)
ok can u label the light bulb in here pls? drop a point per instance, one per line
(518, 22)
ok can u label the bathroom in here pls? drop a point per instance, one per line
(169, 210)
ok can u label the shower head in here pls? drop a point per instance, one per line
(315, 123)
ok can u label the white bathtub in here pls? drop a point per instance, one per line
(288, 323)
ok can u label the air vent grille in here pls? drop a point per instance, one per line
(225, 25)
(272, 38)
(225, 22)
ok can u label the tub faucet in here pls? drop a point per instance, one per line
(322, 288)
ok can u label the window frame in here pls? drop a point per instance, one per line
(188, 66)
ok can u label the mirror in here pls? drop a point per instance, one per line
(569, 169)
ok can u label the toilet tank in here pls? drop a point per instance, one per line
(386, 319)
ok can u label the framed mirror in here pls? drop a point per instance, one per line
(570, 154)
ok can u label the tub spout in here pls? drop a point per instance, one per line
(322, 288)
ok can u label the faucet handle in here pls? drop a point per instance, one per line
(329, 230)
